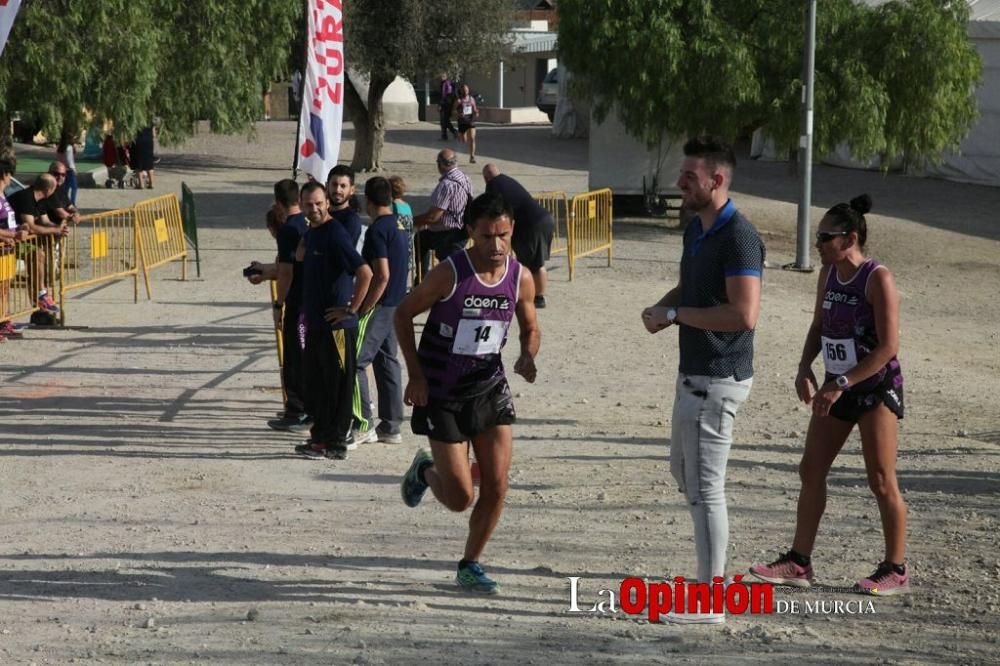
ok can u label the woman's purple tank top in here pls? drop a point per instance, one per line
(848, 330)
(460, 346)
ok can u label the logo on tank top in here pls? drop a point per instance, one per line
(498, 302)
(839, 297)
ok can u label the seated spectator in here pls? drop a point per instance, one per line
(59, 207)
(30, 211)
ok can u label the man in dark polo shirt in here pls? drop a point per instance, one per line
(533, 226)
(387, 251)
(286, 271)
(715, 304)
(335, 281)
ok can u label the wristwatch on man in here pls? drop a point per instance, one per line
(672, 315)
(842, 382)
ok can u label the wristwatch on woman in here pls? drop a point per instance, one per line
(842, 382)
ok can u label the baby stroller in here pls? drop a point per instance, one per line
(117, 160)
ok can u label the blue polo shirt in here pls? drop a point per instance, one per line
(387, 239)
(730, 248)
(328, 274)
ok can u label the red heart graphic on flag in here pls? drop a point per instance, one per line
(308, 148)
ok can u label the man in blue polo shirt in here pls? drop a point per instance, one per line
(387, 251)
(715, 304)
(335, 281)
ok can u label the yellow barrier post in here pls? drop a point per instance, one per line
(102, 247)
(160, 234)
(557, 205)
(590, 228)
(279, 340)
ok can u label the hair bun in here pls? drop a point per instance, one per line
(862, 203)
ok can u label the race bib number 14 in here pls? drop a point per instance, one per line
(478, 337)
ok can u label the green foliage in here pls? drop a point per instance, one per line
(896, 80)
(413, 38)
(130, 60)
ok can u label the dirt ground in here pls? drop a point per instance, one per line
(149, 515)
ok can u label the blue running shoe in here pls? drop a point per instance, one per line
(471, 577)
(413, 487)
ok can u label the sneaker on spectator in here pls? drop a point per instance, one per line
(312, 450)
(45, 302)
(338, 451)
(885, 582)
(385, 436)
(290, 423)
(8, 330)
(784, 571)
(539, 302)
(363, 436)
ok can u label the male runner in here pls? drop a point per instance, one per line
(457, 383)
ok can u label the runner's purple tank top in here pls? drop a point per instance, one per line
(460, 346)
(848, 330)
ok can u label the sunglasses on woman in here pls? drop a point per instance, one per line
(824, 236)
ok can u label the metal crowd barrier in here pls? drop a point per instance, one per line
(24, 269)
(101, 248)
(590, 227)
(557, 205)
(161, 234)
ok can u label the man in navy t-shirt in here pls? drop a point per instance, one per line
(386, 250)
(340, 189)
(335, 280)
(287, 224)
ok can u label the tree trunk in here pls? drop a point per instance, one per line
(369, 124)
(7, 142)
(359, 117)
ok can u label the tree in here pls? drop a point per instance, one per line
(69, 63)
(389, 38)
(896, 80)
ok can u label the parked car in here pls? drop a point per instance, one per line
(548, 94)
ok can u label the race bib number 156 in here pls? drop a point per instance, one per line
(839, 355)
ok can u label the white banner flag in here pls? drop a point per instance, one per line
(322, 90)
(8, 10)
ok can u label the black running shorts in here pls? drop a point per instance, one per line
(852, 404)
(446, 421)
(532, 248)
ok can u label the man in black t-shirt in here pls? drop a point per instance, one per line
(57, 206)
(289, 227)
(533, 226)
(387, 251)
